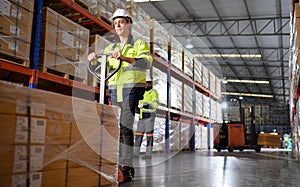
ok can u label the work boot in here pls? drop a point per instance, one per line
(146, 157)
(125, 174)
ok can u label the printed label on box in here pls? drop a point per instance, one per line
(38, 130)
(36, 109)
(21, 135)
(5, 7)
(67, 39)
(16, 14)
(36, 157)
(14, 30)
(20, 159)
(21, 180)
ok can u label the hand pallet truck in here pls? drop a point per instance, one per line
(101, 69)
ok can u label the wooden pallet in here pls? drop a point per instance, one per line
(64, 75)
(19, 61)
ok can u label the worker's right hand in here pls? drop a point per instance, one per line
(140, 105)
(91, 56)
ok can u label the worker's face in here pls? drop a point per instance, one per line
(148, 85)
(121, 26)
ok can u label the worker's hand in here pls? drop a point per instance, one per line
(91, 56)
(117, 55)
(140, 105)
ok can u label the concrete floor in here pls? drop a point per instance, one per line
(270, 167)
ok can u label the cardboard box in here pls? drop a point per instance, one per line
(44, 179)
(27, 4)
(64, 45)
(16, 21)
(82, 176)
(14, 158)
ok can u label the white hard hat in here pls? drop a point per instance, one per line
(121, 13)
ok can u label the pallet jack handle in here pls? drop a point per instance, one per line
(103, 73)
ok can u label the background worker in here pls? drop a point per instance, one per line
(147, 116)
(127, 86)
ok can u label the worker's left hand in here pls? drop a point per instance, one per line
(140, 105)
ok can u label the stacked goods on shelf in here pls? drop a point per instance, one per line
(188, 99)
(64, 45)
(160, 84)
(141, 26)
(206, 106)
(233, 113)
(176, 94)
(212, 82)
(219, 113)
(201, 137)
(159, 40)
(205, 77)
(198, 71)
(213, 109)
(199, 104)
(218, 87)
(185, 135)
(176, 53)
(188, 63)
(159, 136)
(103, 8)
(56, 140)
(174, 133)
(15, 32)
(198, 131)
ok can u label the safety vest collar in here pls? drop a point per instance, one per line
(129, 41)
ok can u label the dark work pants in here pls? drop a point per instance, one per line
(126, 141)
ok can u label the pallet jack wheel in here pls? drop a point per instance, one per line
(257, 149)
(230, 149)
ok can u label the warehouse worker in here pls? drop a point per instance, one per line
(148, 108)
(127, 86)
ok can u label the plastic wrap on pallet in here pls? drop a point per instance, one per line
(198, 71)
(159, 134)
(188, 63)
(188, 99)
(160, 84)
(205, 77)
(60, 136)
(174, 133)
(206, 106)
(219, 113)
(213, 109)
(176, 53)
(199, 103)
(233, 113)
(160, 40)
(64, 45)
(141, 29)
(212, 82)
(198, 137)
(185, 135)
(176, 94)
(218, 87)
(15, 31)
(204, 137)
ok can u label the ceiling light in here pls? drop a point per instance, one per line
(189, 44)
(241, 97)
(228, 55)
(248, 81)
(247, 94)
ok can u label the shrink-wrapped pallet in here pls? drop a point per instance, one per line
(160, 84)
(176, 53)
(160, 40)
(199, 104)
(64, 46)
(198, 71)
(176, 94)
(15, 31)
(48, 134)
(188, 99)
(188, 63)
(185, 135)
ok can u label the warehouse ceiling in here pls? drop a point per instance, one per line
(236, 39)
